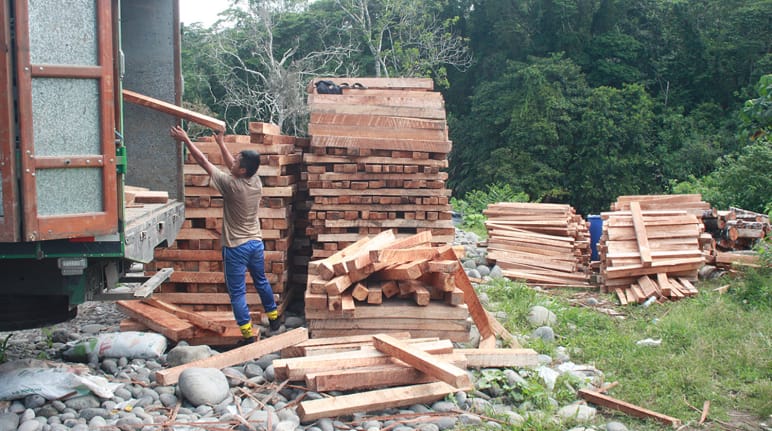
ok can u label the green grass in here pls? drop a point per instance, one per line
(714, 347)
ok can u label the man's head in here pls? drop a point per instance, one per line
(247, 163)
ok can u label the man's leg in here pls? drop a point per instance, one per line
(234, 267)
(256, 267)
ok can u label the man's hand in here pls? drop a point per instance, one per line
(179, 134)
(218, 137)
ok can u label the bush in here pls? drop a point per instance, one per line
(472, 205)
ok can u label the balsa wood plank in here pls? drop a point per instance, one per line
(630, 409)
(375, 377)
(500, 358)
(295, 369)
(421, 360)
(159, 321)
(194, 318)
(239, 355)
(373, 400)
(377, 132)
(376, 121)
(316, 346)
(174, 110)
(430, 146)
(640, 234)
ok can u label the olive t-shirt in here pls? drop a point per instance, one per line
(241, 201)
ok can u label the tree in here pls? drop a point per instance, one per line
(406, 38)
(263, 78)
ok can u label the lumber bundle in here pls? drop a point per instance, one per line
(374, 162)
(385, 370)
(196, 255)
(650, 253)
(691, 203)
(542, 244)
(388, 284)
(134, 196)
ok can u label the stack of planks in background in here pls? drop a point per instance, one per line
(382, 283)
(374, 162)
(196, 254)
(543, 244)
(651, 248)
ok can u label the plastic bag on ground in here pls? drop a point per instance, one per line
(130, 344)
(24, 377)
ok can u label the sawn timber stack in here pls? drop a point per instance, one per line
(647, 253)
(375, 161)
(543, 244)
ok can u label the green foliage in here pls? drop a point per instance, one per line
(4, 348)
(475, 202)
(754, 290)
(713, 348)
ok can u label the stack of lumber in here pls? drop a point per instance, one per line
(543, 244)
(387, 284)
(649, 253)
(196, 255)
(385, 370)
(134, 196)
(691, 203)
(374, 162)
(173, 316)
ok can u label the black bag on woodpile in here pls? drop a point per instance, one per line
(328, 87)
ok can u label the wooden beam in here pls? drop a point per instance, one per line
(174, 110)
(423, 361)
(240, 355)
(194, 318)
(373, 400)
(499, 358)
(160, 321)
(622, 406)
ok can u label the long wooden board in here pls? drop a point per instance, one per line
(168, 108)
(240, 355)
(373, 400)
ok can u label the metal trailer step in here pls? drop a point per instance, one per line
(135, 286)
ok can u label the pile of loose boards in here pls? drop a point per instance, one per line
(374, 162)
(382, 283)
(544, 244)
(651, 247)
(373, 371)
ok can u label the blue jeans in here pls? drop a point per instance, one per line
(236, 261)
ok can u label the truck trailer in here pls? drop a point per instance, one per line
(69, 145)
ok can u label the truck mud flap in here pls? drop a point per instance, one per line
(135, 287)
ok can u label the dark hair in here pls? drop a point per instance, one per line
(250, 160)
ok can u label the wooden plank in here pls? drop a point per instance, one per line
(159, 321)
(194, 318)
(640, 234)
(398, 308)
(343, 342)
(403, 255)
(622, 406)
(240, 355)
(476, 310)
(423, 361)
(373, 400)
(174, 110)
(375, 377)
(296, 368)
(499, 358)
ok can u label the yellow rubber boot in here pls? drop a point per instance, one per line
(246, 330)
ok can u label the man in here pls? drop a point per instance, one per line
(242, 244)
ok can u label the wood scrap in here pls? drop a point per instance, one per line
(171, 109)
(631, 409)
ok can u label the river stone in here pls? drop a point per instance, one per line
(483, 270)
(235, 376)
(92, 412)
(428, 427)
(285, 426)
(9, 421)
(443, 406)
(578, 412)
(31, 425)
(496, 272)
(80, 403)
(445, 422)
(540, 316)
(184, 354)
(616, 426)
(168, 400)
(109, 366)
(545, 333)
(203, 385)
(34, 401)
(294, 321)
(267, 360)
(469, 419)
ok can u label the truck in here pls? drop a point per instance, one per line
(69, 146)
